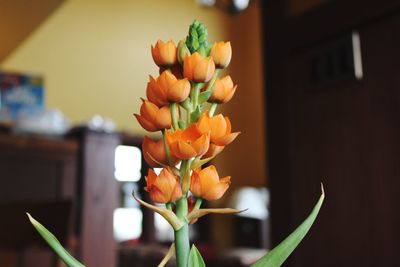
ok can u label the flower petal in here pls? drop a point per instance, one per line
(226, 140)
(147, 125)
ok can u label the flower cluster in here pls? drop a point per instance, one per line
(190, 135)
(181, 104)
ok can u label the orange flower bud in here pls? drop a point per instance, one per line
(163, 188)
(164, 54)
(221, 53)
(188, 143)
(206, 184)
(219, 128)
(223, 90)
(167, 88)
(197, 68)
(153, 118)
(175, 90)
(155, 94)
(154, 153)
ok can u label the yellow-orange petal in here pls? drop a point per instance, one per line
(164, 54)
(229, 95)
(166, 182)
(208, 177)
(157, 195)
(195, 184)
(203, 124)
(189, 64)
(183, 150)
(201, 144)
(213, 150)
(179, 91)
(154, 152)
(191, 134)
(223, 90)
(218, 126)
(226, 139)
(177, 193)
(221, 52)
(204, 70)
(155, 94)
(146, 124)
(173, 137)
(150, 178)
(218, 190)
(163, 118)
(166, 80)
(148, 110)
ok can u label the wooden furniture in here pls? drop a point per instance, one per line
(343, 132)
(68, 185)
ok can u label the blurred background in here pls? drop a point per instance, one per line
(317, 101)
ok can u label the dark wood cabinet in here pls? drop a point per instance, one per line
(68, 184)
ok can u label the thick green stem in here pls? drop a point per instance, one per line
(182, 246)
(196, 92)
(174, 117)
(167, 152)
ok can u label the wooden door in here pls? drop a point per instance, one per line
(335, 128)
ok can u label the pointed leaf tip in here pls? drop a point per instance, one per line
(195, 259)
(53, 242)
(280, 253)
(322, 190)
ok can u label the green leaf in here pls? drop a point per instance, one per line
(280, 253)
(204, 96)
(55, 244)
(194, 116)
(195, 259)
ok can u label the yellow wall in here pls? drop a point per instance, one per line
(95, 57)
(95, 54)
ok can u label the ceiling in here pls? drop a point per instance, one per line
(20, 18)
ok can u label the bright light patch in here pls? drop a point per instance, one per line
(128, 163)
(127, 224)
(164, 231)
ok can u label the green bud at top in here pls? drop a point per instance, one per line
(197, 38)
(182, 51)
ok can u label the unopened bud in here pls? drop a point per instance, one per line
(197, 37)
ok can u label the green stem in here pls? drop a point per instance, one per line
(212, 109)
(197, 204)
(212, 81)
(172, 107)
(196, 93)
(167, 152)
(183, 168)
(182, 246)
